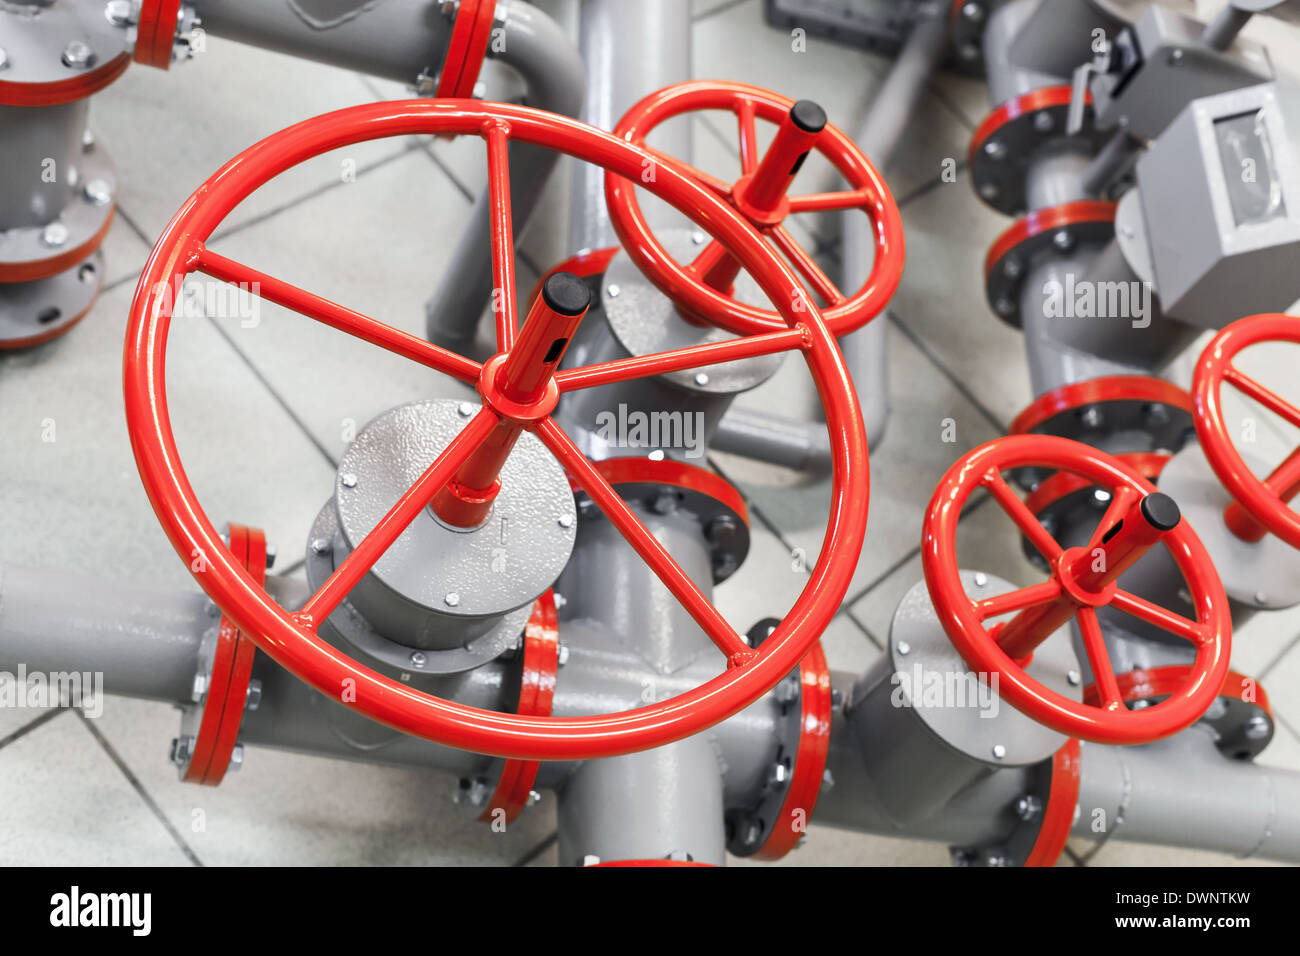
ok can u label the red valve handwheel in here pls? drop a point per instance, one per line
(1122, 534)
(685, 284)
(292, 638)
(1264, 500)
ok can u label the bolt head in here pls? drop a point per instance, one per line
(612, 290)
(1005, 307)
(1175, 57)
(1028, 807)
(974, 12)
(1043, 122)
(1261, 597)
(1073, 678)
(451, 599)
(989, 191)
(665, 502)
(981, 579)
(320, 545)
(701, 379)
(995, 149)
(466, 409)
(253, 699)
(1063, 240)
(54, 235)
(418, 659)
(77, 55)
(904, 648)
(565, 521)
(199, 687)
(120, 13)
(562, 655)
(999, 751)
(236, 758)
(698, 237)
(349, 480)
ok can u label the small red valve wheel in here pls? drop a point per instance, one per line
(1083, 580)
(541, 663)
(701, 289)
(1261, 504)
(205, 756)
(1058, 814)
(520, 387)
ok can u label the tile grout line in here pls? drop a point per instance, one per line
(714, 11)
(947, 373)
(538, 850)
(1277, 658)
(135, 783)
(279, 399)
(34, 724)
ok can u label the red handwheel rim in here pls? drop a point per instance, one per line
(1264, 499)
(292, 639)
(962, 617)
(1058, 814)
(868, 192)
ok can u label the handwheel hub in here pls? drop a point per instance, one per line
(1076, 590)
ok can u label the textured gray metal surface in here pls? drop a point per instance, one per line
(53, 41)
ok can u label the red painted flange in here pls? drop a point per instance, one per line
(806, 778)
(541, 659)
(1058, 813)
(63, 91)
(1110, 388)
(232, 669)
(156, 32)
(467, 48)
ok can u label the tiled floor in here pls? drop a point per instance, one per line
(263, 412)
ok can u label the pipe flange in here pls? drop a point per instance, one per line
(158, 31)
(1263, 574)
(35, 312)
(1118, 414)
(967, 20)
(666, 485)
(1005, 145)
(1066, 500)
(56, 53)
(1240, 717)
(775, 823)
(1042, 816)
(471, 30)
(645, 321)
(38, 252)
(539, 665)
(223, 688)
(1053, 231)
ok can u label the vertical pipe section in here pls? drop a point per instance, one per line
(538, 49)
(630, 50)
(803, 446)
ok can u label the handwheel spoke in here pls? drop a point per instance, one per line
(1270, 400)
(1019, 512)
(807, 267)
(338, 317)
(1161, 617)
(1120, 503)
(1103, 673)
(708, 258)
(643, 542)
(748, 136)
(1017, 600)
(503, 234)
(399, 517)
(676, 360)
(824, 202)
